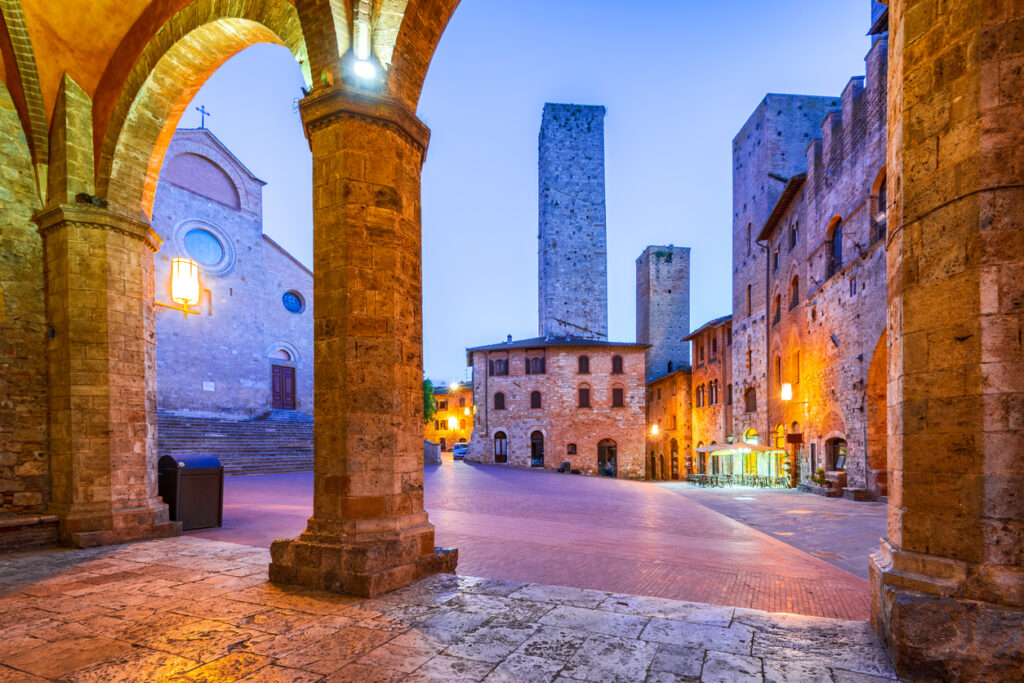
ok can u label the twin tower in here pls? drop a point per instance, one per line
(573, 249)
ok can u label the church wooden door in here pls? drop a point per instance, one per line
(282, 387)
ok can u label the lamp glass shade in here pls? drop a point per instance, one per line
(654, 430)
(453, 423)
(787, 392)
(185, 281)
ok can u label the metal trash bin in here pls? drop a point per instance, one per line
(193, 488)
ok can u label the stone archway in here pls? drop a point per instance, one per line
(877, 420)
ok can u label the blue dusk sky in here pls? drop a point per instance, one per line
(678, 78)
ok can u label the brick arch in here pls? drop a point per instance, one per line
(248, 193)
(422, 23)
(22, 79)
(172, 67)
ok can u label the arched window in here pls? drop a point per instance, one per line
(535, 399)
(794, 234)
(498, 367)
(750, 400)
(748, 298)
(748, 238)
(794, 292)
(499, 401)
(500, 447)
(777, 372)
(775, 259)
(618, 397)
(880, 210)
(616, 365)
(537, 366)
(670, 366)
(584, 396)
(777, 307)
(835, 246)
(281, 354)
(714, 347)
(584, 365)
(750, 436)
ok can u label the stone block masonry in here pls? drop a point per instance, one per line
(663, 308)
(572, 253)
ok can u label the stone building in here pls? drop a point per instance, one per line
(769, 149)
(663, 308)
(452, 422)
(573, 245)
(669, 438)
(712, 392)
(251, 348)
(822, 249)
(541, 402)
(90, 95)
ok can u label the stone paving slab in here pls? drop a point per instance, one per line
(190, 609)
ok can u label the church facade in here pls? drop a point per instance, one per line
(250, 349)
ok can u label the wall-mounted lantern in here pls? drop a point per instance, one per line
(453, 423)
(787, 392)
(184, 286)
(654, 429)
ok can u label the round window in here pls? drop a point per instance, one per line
(204, 247)
(293, 302)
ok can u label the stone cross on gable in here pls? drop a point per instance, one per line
(203, 114)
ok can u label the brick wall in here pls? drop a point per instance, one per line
(24, 462)
(560, 419)
(670, 407)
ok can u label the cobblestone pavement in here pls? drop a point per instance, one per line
(191, 609)
(841, 532)
(586, 532)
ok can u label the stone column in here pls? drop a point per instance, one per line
(369, 533)
(948, 582)
(102, 375)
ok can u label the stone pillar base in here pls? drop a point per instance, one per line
(932, 632)
(364, 570)
(120, 526)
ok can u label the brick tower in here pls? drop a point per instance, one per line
(572, 254)
(663, 308)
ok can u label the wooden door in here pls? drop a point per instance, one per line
(282, 387)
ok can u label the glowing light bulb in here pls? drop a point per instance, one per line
(364, 69)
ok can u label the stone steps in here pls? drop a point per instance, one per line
(275, 442)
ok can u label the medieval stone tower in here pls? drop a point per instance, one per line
(572, 254)
(663, 308)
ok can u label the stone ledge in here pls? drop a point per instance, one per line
(27, 520)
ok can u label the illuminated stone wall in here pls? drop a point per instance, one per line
(219, 363)
(663, 308)
(712, 363)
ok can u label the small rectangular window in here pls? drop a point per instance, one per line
(853, 286)
(617, 398)
(570, 449)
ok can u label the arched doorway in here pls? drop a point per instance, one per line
(607, 462)
(674, 458)
(654, 466)
(662, 469)
(835, 454)
(500, 447)
(536, 450)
